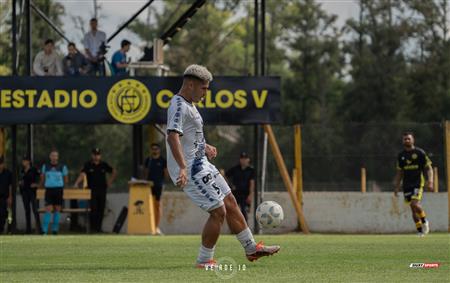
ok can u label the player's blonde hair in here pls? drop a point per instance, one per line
(199, 72)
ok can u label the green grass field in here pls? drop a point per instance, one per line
(314, 258)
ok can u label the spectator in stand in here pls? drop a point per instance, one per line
(119, 61)
(92, 41)
(47, 62)
(74, 64)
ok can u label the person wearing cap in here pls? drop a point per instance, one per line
(5, 193)
(242, 178)
(54, 177)
(156, 167)
(29, 182)
(95, 171)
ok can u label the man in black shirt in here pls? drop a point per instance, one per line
(29, 181)
(156, 167)
(5, 193)
(95, 171)
(242, 179)
(412, 162)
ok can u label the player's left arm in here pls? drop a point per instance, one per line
(210, 151)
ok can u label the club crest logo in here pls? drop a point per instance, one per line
(414, 156)
(129, 101)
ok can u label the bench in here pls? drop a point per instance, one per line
(71, 194)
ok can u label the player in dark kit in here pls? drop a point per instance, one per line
(412, 163)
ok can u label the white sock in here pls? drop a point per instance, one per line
(247, 241)
(205, 254)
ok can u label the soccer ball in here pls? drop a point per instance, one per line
(269, 214)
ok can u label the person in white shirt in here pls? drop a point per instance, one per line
(47, 62)
(190, 169)
(92, 42)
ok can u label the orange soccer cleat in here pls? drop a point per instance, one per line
(262, 250)
(210, 264)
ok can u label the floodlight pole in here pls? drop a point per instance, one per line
(257, 129)
(14, 37)
(29, 64)
(12, 227)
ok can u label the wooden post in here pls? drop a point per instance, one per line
(447, 165)
(285, 176)
(294, 180)
(2, 141)
(435, 180)
(363, 180)
(298, 163)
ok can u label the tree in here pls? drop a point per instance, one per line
(315, 61)
(377, 90)
(429, 74)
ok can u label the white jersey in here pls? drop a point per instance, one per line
(184, 118)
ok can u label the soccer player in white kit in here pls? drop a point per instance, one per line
(189, 168)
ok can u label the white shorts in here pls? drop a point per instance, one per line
(207, 188)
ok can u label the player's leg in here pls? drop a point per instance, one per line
(210, 234)
(57, 204)
(101, 211)
(420, 216)
(416, 218)
(238, 225)
(49, 200)
(94, 205)
(35, 207)
(26, 200)
(3, 213)
(157, 191)
(201, 191)
(56, 218)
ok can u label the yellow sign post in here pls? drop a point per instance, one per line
(141, 213)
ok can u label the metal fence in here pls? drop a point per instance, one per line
(333, 154)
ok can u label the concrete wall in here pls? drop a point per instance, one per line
(334, 212)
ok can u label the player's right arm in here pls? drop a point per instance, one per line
(175, 120)
(173, 139)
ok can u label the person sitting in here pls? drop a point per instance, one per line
(74, 64)
(47, 62)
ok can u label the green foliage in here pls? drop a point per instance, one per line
(315, 61)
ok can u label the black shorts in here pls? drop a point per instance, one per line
(157, 192)
(412, 193)
(54, 196)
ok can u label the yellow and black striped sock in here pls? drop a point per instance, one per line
(419, 226)
(422, 216)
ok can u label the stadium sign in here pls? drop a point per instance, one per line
(133, 100)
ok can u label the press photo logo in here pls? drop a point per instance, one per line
(425, 265)
(226, 268)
